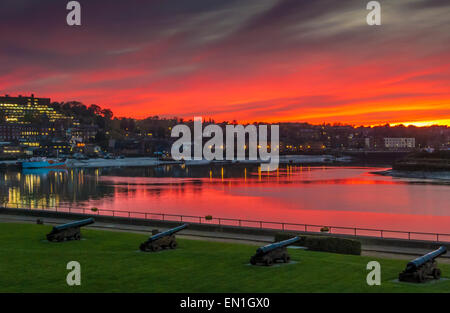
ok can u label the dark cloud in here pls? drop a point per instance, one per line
(428, 4)
(37, 30)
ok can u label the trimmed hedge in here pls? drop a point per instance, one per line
(324, 243)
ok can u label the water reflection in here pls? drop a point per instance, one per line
(50, 187)
(347, 196)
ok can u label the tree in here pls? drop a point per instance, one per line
(107, 113)
(95, 109)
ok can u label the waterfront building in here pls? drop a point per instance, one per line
(83, 133)
(20, 132)
(55, 147)
(399, 143)
(10, 132)
(21, 110)
(11, 150)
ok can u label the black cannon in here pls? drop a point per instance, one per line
(423, 268)
(272, 253)
(69, 231)
(163, 240)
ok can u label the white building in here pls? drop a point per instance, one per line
(399, 143)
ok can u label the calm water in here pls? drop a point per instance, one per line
(338, 196)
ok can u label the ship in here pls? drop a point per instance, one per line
(43, 163)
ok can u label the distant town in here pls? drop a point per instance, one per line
(31, 126)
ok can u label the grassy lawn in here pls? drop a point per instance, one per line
(111, 262)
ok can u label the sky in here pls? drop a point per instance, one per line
(315, 61)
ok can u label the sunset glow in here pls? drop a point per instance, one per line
(424, 123)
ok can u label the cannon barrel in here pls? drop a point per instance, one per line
(276, 245)
(416, 263)
(167, 232)
(74, 224)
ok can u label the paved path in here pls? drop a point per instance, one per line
(257, 240)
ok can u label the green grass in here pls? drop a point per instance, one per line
(111, 262)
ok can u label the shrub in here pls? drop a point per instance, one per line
(208, 217)
(94, 209)
(324, 243)
(333, 244)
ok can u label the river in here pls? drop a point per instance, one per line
(335, 196)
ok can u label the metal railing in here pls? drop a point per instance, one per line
(283, 226)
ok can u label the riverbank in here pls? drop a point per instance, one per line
(124, 162)
(440, 176)
(152, 161)
(217, 231)
(112, 262)
(424, 162)
(100, 163)
(384, 251)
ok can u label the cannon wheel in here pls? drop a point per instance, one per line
(173, 245)
(286, 258)
(436, 273)
(252, 261)
(77, 236)
(156, 247)
(420, 277)
(269, 262)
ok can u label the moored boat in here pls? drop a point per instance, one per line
(43, 163)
